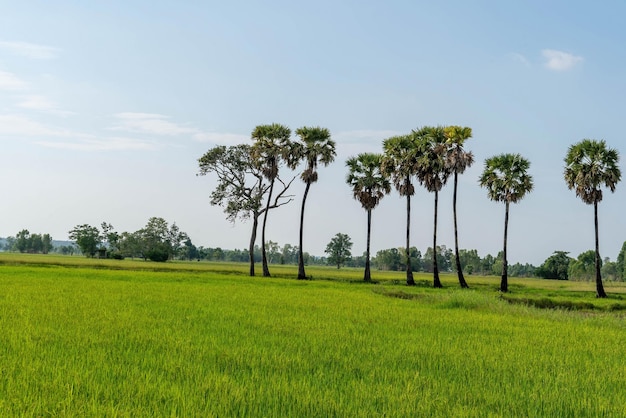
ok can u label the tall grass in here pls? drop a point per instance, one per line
(84, 341)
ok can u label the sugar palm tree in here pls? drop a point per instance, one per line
(369, 185)
(271, 147)
(433, 173)
(507, 180)
(458, 161)
(315, 147)
(590, 164)
(399, 163)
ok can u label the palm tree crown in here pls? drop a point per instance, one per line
(458, 158)
(399, 163)
(432, 165)
(506, 178)
(368, 182)
(589, 164)
(315, 147)
(271, 144)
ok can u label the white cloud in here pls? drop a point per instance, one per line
(106, 144)
(33, 51)
(41, 103)
(355, 142)
(150, 123)
(8, 81)
(559, 60)
(519, 58)
(17, 125)
(156, 124)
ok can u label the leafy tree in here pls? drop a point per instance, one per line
(400, 164)
(87, 238)
(507, 180)
(583, 268)
(555, 266)
(46, 243)
(272, 146)
(620, 266)
(590, 164)
(369, 185)
(315, 147)
(159, 241)
(444, 259)
(339, 250)
(609, 269)
(433, 172)
(241, 187)
(470, 260)
(390, 259)
(22, 241)
(458, 160)
(36, 243)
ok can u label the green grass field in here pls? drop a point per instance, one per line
(114, 338)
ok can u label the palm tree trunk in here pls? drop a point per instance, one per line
(301, 272)
(409, 271)
(459, 269)
(255, 224)
(599, 287)
(367, 276)
(266, 270)
(504, 283)
(436, 281)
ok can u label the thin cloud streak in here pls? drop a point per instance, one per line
(10, 82)
(29, 50)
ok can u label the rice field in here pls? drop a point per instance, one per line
(116, 338)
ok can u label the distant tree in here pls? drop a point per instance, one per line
(609, 269)
(400, 164)
(315, 147)
(433, 171)
(507, 180)
(583, 268)
(272, 146)
(590, 164)
(339, 250)
(458, 160)
(555, 266)
(241, 187)
(46, 244)
(160, 241)
(369, 185)
(389, 259)
(22, 241)
(470, 260)
(620, 263)
(87, 238)
(36, 244)
(444, 259)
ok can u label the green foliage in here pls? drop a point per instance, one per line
(506, 178)
(555, 267)
(620, 263)
(87, 238)
(339, 250)
(368, 182)
(583, 268)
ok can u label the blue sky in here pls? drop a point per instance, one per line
(106, 107)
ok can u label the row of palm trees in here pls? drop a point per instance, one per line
(431, 155)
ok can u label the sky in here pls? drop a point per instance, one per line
(105, 108)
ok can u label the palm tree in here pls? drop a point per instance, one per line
(270, 149)
(433, 173)
(507, 180)
(369, 186)
(589, 164)
(399, 163)
(458, 161)
(315, 147)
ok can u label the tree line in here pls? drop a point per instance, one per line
(430, 156)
